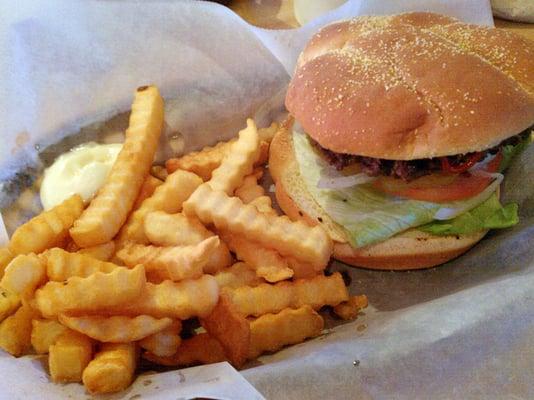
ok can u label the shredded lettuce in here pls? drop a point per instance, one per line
(369, 216)
(509, 152)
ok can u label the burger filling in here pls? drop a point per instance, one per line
(412, 169)
(374, 199)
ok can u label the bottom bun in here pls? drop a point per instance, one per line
(412, 249)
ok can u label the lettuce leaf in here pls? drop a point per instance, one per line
(509, 152)
(488, 215)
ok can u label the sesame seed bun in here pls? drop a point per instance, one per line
(411, 86)
(412, 249)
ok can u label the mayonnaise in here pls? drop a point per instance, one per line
(82, 170)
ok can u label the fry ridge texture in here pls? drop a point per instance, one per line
(106, 213)
(309, 244)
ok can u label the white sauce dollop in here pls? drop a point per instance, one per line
(82, 170)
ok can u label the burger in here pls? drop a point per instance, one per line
(399, 131)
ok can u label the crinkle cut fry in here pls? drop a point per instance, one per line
(62, 265)
(5, 258)
(316, 292)
(167, 197)
(106, 213)
(204, 162)
(102, 252)
(48, 229)
(175, 263)
(271, 332)
(116, 329)
(267, 263)
(178, 300)
(310, 244)
(112, 369)
(100, 291)
(239, 274)
(239, 161)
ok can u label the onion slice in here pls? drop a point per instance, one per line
(460, 207)
(342, 182)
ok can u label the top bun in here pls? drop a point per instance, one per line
(411, 86)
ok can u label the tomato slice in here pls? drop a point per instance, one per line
(439, 187)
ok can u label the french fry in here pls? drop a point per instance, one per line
(208, 159)
(147, 189)
(230, 328)
(174, 263)
(249, 189)
(112, 369)
(239, 274)
(5, 258)
(107, 212)
(239, 161)
(15, 331)
(91, 294)
(349, 309)
(295, 239)
(45, 333)
(167, 197)
(23, 274)
(48, 229)
(102, 252)
(177, 300)
(116, 329)
(179, 230)
(271, 332)
(9, 303)
(315, 292)
(264, 205)
(200, 349)
(69, 356)
(165, 343)
(302, 270)
(62, 265)
(267, 263)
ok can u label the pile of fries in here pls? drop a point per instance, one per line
(97, 286)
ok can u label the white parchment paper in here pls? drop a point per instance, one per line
(463, 330)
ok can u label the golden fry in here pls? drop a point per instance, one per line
(159, 172)
(230, 328)
(106, 213)
(167, 197)
(24, 274)
(165, 343)
(349, 309)
(45, 333)
(15, 331)
(239, 274)
(200, 349)
(249, 189)
(148, 188)
(315, 292)
(264, 205)
(176, 300)
(62, 265)
(102, 252)
(295, 239)
(94, 293)
(9, 303)
(179, 230)
(174, 263)
(164, 229)
(112, 369)
(69, 356)
(271, 332)
(267, 134)
(239, 161)
(48, 229)
(267, 263)
(5, 258)
(116, 329)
